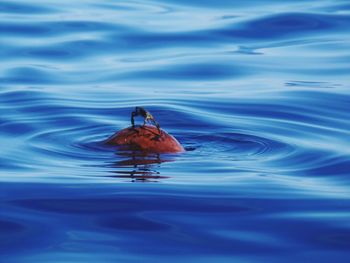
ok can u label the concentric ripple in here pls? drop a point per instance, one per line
(260, 136)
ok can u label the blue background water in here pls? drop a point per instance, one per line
(257, 92)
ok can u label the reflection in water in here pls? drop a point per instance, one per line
(138, 166)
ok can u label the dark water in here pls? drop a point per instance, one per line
(257, 91)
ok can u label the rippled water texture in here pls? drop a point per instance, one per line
(256, 91)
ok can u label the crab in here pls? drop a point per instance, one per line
(148, 118)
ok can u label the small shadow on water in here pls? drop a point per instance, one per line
(311, 84)
(247, 51)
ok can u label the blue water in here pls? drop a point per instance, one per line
(258, 92)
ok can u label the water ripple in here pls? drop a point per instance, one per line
(257, 93)
(23, 9)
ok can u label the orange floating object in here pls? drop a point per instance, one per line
(145, 138)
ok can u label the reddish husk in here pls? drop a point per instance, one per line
(146, 139)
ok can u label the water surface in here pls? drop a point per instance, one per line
(257, 92)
